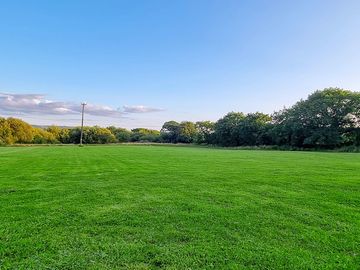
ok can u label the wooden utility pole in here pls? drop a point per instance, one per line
(82, 122)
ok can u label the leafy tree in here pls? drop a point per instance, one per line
(61, 134)
(21, 131)
(205, 132)
(42, 136)
(227, 129)
(74, 135)
(187, 132)
(55, 130)
(145, 135)
(64, 135)
(103, 136)
(121, 134)
(326, 118)
(170, 132)
(112, 129)
(237, 129)
(6, 136)
(92, 135)
(253, 129)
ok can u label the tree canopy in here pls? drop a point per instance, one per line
(328, 118)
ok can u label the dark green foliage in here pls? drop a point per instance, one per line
(187, 132)
(327, 119)
(205, 132)
(237, 129)
(170, 132)
(174, 132)
(254, 129)
(92, 135)
(144, 135)
(121, 134)
(227, 129)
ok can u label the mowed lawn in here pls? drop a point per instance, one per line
(148, 207)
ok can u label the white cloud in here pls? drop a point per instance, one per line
(140, 109)
(37, 104)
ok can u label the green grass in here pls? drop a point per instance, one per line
(147, 207)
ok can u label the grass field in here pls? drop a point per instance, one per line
(146, 207)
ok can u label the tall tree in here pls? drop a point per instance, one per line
(326, 118)
(145, 135)
(253, 129)
(6, 136)
(227, 129)
(121, 134)
(42, 136)
(170, 131)
(205, 132)
(187, 132)
(21, 131)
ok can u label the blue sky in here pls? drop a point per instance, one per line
(140, 63)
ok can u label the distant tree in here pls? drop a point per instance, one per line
(205, 132)
(74, 135)
(21, 131)
(238, 129)
(112, 129)
(103, 135)
(187, 132)
(60, 134)
(253, 129)
(327, 119)
(42, 136)
(145, 135)
(6, 136)
(227, 129)
(121, 134)
(92, 135)
(55, 131)
(64, 135)
(170, 132)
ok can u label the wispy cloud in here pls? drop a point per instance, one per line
(38, 104)
(140, 109)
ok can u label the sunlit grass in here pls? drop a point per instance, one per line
(140, 207)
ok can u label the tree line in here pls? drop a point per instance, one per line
(326, 119)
